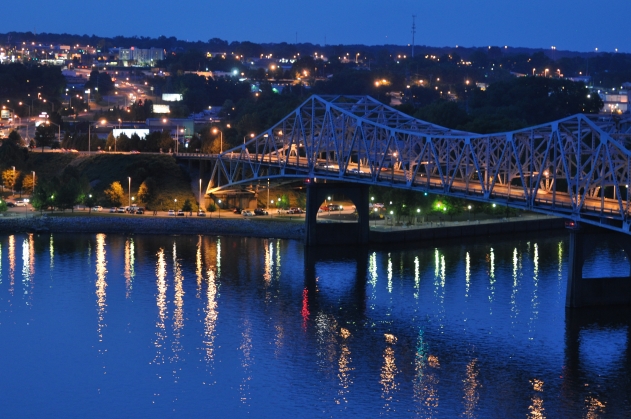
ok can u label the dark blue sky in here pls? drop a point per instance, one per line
(577, 25)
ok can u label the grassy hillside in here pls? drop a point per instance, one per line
(103, 169)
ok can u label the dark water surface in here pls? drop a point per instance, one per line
(115, 326)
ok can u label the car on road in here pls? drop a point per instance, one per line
(180, 213)
(294, 211)
(201, 213)
(335, 207)
(260, 211)
(357, 171)
(140, 210)
(171, 213)
(20, 203)
(10, 204)
(113, 209)
(120, 210)
(247, 213)
(97, 208)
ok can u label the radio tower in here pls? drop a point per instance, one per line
(413, 32)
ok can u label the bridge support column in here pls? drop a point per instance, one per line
(586, 292)
(336, 233)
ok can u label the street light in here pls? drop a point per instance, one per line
(469, 207)
(219, 207)
(129, 189)
(245, 136)
(175, 203)
(215, 131)
(13, 182)
(59, 129)
(200, 194)
(33, 181)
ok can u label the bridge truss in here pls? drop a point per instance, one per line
(571, 167)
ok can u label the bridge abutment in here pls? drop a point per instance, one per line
(588, 292)
(336, 233)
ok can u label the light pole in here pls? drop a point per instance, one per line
(200, 195)
(13, 182)
(129, 189)
(245, 136)
(59, 129)
(215, 131)
(469, 207)
(267, 204)
(175, 203)
(33, 181)
(219, 207)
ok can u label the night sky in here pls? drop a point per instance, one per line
(577, 25)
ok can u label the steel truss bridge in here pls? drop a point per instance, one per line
(573, 167)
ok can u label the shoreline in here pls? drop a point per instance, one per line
(152, 225)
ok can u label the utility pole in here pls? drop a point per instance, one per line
(413, 32)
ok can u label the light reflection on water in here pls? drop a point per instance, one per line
(196, 326)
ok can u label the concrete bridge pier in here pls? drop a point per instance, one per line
(586, 292)
(337, 233)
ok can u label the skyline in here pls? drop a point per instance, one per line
(566, 25)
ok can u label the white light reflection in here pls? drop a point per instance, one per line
(51, 251)
(218, 262)
(210, 321)
(536, 410)
(471, 385)
(344, 368)
(388, 374)
(467, 275)
(178, 312)
(491, 260)
(28, 265)
(247, 361)
(269, 256)
(161, 302)
(389, 273)
(11, 263)
(513, 298)
(417, 276)
(425, 380)
(535, 297)
(101, 285)
(372, 275)
(130, 272)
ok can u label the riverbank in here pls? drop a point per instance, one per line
(276, 227)
(154, 225)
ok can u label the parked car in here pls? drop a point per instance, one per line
(171, 213)
(247, 213)
(201, 213)
(10, 204)
(140, 210)
(120, 210)
(236, 210)
(97, 208)
(180, 213)
(294, 211)
(113, 209)
(335, 207)
(260, 211)
(20, 203)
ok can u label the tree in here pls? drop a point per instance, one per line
(188, 206)
(44, 194)
(115, 194)
(9, 178)
(44, 135)
(147, 191)
(3, 206)
(28, 183)
(68, 195)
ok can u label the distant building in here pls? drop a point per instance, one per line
(142, 57)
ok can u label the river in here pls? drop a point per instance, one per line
(112, 326)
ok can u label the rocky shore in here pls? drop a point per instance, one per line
(153, 225)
